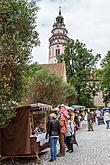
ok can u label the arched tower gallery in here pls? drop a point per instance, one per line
(58, 38)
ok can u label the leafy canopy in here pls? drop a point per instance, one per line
(105, 78)
(79, 63)
(46, 87)
(17, 38)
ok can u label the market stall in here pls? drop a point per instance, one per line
(16, 139)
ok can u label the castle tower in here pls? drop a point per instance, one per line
(58, 38)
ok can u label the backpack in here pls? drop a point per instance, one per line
(69, 129)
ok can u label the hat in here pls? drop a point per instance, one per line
(62, 105)
(53, 115)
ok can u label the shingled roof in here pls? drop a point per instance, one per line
(58, 68)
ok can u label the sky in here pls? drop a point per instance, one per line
(86, 20)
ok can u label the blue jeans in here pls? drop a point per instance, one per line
(107, 123)
(98, 120)
(53, 147)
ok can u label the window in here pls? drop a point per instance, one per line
(57, 52)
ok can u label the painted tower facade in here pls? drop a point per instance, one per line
(58, 38)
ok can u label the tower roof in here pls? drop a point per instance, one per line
(59, 20)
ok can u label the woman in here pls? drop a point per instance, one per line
(68, 135)
(53, 132)
(74, 141)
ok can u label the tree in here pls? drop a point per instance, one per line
(105, 78)
(17, 36)
(46, 87)
(79, 64)
(29, 75)
(71, 94)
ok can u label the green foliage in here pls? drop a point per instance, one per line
(17, 38)
(105, 78)
(28, 76)
(45, 87)
(79, 64)
(71, 94)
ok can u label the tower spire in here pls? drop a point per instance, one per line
(59, 10)
(58, 38)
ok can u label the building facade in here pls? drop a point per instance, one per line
(57, 68)
(58, 38)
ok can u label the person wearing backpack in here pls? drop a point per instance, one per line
(69, 134)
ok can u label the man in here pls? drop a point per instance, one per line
(41, 128)
(89, 119)
(53, 132)
(63, 129)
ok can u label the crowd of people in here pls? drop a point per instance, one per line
(62, 126)
(99, 117)
(103, 117)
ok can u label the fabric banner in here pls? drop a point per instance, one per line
(15, 138)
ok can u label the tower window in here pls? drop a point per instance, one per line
(57, 52)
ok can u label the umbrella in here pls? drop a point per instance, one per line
(78, 107)
(106, 109)
(69, 108)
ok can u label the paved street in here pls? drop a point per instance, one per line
(94, 148)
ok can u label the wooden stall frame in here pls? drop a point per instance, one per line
(34, 153)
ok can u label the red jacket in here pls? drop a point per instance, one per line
(62, 123)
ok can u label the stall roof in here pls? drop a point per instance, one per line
(78, 107)
(36, 106)
(67, 107)
(40, 106)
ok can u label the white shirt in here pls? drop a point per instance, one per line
(106, 116)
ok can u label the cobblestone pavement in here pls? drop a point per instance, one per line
(94, 148)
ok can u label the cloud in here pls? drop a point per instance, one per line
(86, 20)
